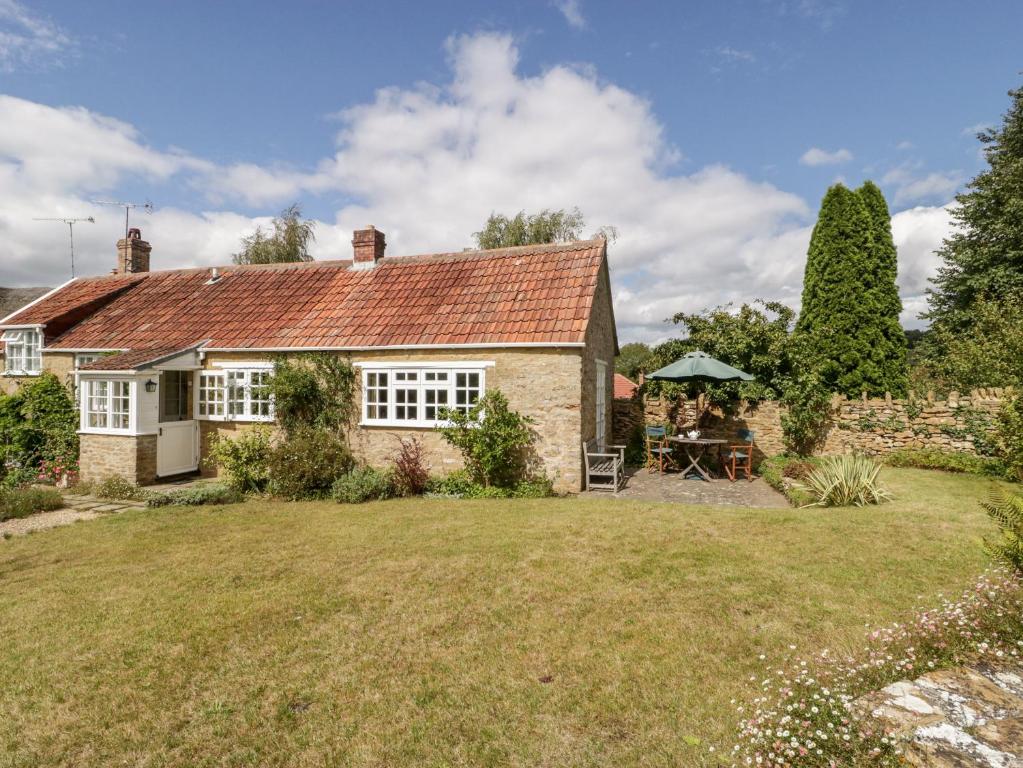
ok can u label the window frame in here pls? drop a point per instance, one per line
(427, 379)
(233, 379)
(23, 338)
(121, 392)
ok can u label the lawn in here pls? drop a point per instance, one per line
(435, 632)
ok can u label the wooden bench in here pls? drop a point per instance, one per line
(604, 471)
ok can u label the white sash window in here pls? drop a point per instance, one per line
(235, 394)
(23, 351)
(404, 395)
(107, 405)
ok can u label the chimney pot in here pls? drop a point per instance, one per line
(368, 247)
(132, 253)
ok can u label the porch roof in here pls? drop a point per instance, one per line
(136, 359)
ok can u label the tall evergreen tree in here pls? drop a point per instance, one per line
(891, 356)
(839, 317)
(984, 256)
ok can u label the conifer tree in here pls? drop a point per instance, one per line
(983, 258)
(882, 284)
(838, 319)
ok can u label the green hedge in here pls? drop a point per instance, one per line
(948, 461)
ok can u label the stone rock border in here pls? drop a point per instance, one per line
(968, 716)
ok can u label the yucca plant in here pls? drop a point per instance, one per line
(842, 481)
(1006, 509)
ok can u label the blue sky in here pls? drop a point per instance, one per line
(706, 132)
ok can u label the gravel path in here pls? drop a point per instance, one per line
(43, 520)
(79, 508)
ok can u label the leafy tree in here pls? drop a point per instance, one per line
(841, 308)
(983, 258)
(883, 292)
(987, 353)
(288, 242)
(634, 358)
(753, 339)
(548, 226)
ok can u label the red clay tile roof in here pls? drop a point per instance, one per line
(71, 303)
(625, 388)
(527, 295)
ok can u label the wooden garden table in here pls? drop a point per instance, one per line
(696, 449)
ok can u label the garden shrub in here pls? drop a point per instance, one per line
(306, 464)
(18, 477)
(1006, 509)
(805, 418)
(38, 422)
(495, 441)
(313, 390)
(245, 458)
(776, 472)
(848, 480)
(410, 474)
(1009, 435)
(361, 484)
(22, 502)
(119, 489)
(456, 484)
(460, 485)
(207, 493)
(947, 461)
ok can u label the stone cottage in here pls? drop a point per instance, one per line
(163, 359)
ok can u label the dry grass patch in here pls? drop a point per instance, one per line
(437, 632)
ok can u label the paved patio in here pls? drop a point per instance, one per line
(671, 487)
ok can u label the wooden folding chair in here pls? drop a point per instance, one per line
(657, 451)
(739, 458)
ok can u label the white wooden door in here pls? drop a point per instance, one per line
(601, 404)
(177, 448)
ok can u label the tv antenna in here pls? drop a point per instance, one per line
(146, 206)
(71, 232)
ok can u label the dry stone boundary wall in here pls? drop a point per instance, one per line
(875, 426)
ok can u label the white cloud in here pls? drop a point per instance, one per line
(816, 156)
(905, 146)
(973, 130)
(427, 165)
(735, 54)
(918, 232)
(572, 11)
(27, 39)
(911, 185)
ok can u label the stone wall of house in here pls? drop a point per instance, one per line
(544, 383)
(62, 364)
(600, 346)
(132, 457)
(870, 425)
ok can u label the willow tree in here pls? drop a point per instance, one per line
(287, 240)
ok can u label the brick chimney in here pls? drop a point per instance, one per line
(132, 253)
(368, 245)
